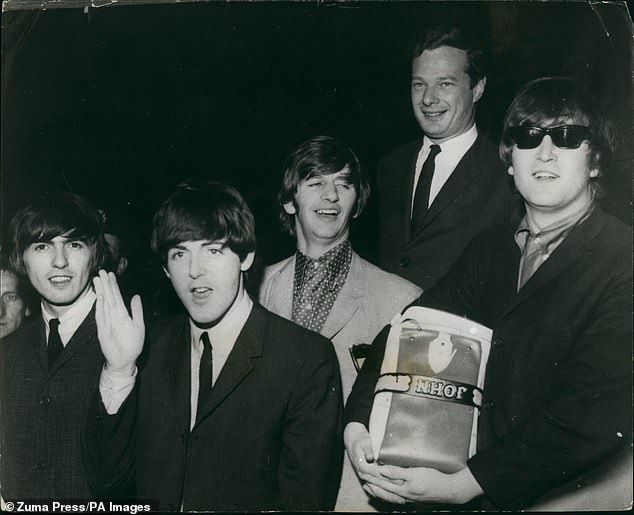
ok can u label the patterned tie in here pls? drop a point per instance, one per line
(205, 372)
(54, 344)
(421, 196)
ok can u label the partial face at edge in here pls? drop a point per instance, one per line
(13, 307)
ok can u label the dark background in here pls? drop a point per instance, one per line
(121, 103)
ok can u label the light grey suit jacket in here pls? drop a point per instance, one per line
(367, 302)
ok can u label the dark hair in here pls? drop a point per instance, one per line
(553, 99)
(320, 155)
(455, 37)
(204, 210)
(57, 214)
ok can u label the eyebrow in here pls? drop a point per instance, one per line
(444, 77)
(205, 243)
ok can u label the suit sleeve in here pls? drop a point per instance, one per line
(587, 417)
(108, 448)
(312, 453)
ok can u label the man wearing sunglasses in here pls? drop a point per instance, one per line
(556, 411)
(436, 193)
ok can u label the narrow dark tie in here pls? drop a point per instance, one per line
(205, 372)
(421, 196)
(54, 345)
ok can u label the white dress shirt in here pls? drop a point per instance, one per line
(451, 152)
(70, 321)
(223, 337)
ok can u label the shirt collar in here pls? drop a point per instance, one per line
(70, 321)
(555, 231)
(457, 145)
(329, 259)
(226, 332)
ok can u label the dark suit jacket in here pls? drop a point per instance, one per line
(270, 436)
(558, 388)
(476, 196)
(43, 413)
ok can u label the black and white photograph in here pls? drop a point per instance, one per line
(217, 218)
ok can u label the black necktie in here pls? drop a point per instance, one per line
(421, 196)
(54, 345)
(204, 372)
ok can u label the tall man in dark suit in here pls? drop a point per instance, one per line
(557, 292)
(236, 408)
(435, 194)
(51, 365)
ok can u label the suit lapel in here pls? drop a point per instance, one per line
(179, 369)
(84, 335)
(39, 344)
(466, 172)
(407, 190)
(239, 364)
(579, 241)
(347, 302)
(281, 284)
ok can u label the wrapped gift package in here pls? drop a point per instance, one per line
(427, 398)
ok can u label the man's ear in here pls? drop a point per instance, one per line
(594, 173)
(510, 171)
(27, 312)
(122, 266)
(289, 207)
(478, 89)
(166, 272)
(247, 261)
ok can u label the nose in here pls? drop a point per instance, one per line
(330, 191)
(59, 259)
(429, 96)
(195, 269)
(545, 150)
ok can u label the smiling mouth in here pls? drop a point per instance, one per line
(542, 175)
(327, 212)
(60, 280)
(433, 114)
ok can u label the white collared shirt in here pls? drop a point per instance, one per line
(223, 337)
(451, 152)
(70, 321)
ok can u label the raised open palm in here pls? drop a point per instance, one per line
(120, 334)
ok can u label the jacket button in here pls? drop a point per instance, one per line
(498, 341)
(38, 466)
(44, 401)
(404, 261)
(488, 405)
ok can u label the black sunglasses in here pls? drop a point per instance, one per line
(564, 136)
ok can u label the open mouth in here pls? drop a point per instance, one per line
(542, 175)
(327, 212)
(433, 114)
(201, 292)
(60, 280)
